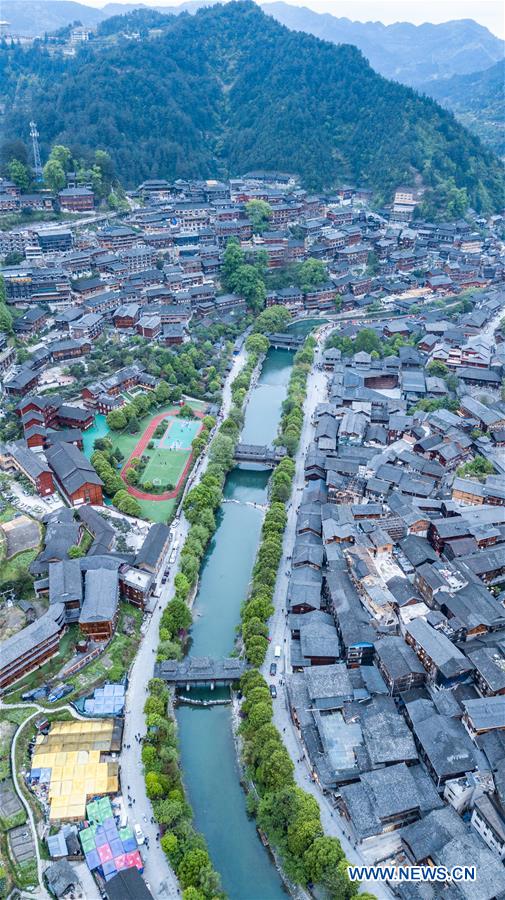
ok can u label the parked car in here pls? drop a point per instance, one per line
(273, 691)
(139, 834)
(273, 668)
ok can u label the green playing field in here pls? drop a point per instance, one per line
(165, 466)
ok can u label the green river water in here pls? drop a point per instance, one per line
(208, 754)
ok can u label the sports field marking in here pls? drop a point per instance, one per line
(166, 466)
(179, 434)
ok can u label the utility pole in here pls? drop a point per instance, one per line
(37, 165)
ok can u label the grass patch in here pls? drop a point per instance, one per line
(10, 719)
(7, 730)
(26, 876)
(13, 821)
(8, 513)
(86, 541)
(165, 466)
(157, 510)
(11, 568)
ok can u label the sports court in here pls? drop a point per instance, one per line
(179, 433)
(171, 453)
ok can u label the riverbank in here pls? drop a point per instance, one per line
(286, 814)
(202, 508)
(158, 872)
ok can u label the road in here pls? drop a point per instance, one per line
(332, 822)
(157, 872)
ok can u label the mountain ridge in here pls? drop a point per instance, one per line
(402, 51)
(204, 99)
(396, 51)
(477, 100)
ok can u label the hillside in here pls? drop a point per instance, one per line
(33, 18)
(412, 54)
(229, 89)
(478, 101)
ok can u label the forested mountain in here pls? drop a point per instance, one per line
(33, 18)
(412, 54)
(229, 89)
(478, 100)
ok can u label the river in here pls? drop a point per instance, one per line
(208, 756)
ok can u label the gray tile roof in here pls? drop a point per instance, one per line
(149, 553)
(71, 467)
(26, 640)
(101, 596)
(65, 581)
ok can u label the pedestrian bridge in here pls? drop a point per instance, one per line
(286, 341)
(267, 456)
(200, 671)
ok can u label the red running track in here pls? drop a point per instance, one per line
(138, 451)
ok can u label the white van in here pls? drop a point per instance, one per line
(277, 651)
(139, 834)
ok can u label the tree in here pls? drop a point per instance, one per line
(272, 319)
(222, 451)
(168, 811)
(277, 770)
(126, 504)
(54, 175)
(192, 893)
(436, 367)
(116, 420)
(367, 340)
(302, 834)
(61, 155)
(6, 320)
(249, 284)
(162, 392)
(311, 274)
(133, 425)
(479, 467)
(257, 343)
(191, 867)
(179, 616)
(256, 649)
(232, 260)
(259, 715)
(154, 788)
(323, 854)
(19, 174)
(372, 266)
(260, 213)
(169, 843)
